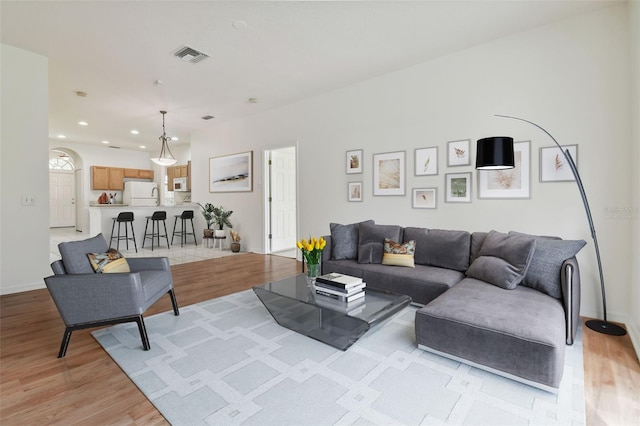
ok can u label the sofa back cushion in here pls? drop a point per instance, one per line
(544, 271)
(344, 240)
(503, 259)
(477, 238)
(371, 241)
(442, 248)
(74, 254)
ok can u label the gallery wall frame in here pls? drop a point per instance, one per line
(510, 183)
(458, 187)
(458, 153)
(354, 161)
(231, 173)
(554, 167)
(424, 198)
(426, 161)
(389, 173)
(354, 191)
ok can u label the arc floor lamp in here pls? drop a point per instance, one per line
(496, 153)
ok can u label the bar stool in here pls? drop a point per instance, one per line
(126, 218)
(186, 215)
(155, 219)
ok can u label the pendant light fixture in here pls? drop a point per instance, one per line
(165, 158)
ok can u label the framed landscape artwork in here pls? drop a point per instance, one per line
(424, 198)
(458, 187)
(426, 161)
(389, 173)
(354, 161)
(510, 183)
(355, 191)
(458, 153)
(231, 173)
(554, 167)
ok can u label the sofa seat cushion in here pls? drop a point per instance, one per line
(422, 283)
(520, 332)
(154, 285)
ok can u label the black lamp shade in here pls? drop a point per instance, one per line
(495, 153)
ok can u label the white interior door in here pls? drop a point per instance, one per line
(283, 199)
(79, 200)
(62, 208)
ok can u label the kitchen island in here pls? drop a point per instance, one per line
(101, 220)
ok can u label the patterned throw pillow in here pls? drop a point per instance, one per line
(110, 262)
(399, 254)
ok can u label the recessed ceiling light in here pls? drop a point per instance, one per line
(142, 146)
(105, 142)
(239, 24)
(135, 132)
(175, 138)
(61, 136)
(83, 123)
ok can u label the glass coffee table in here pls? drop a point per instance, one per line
(293, 304)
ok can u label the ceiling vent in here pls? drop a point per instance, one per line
(113, 147)
(207, 117)
(189, 54)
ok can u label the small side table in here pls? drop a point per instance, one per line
(216, 239)
(207, 241)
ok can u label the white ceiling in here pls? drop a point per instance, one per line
(288, 51)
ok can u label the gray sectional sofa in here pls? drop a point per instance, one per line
(504, 302)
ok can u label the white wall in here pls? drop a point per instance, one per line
(571, 77)
(634, 322)
(24, 230)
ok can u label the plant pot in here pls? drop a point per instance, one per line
(208, 233)
(235, 247)
(219, 232)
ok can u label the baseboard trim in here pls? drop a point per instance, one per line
(4, 290)
(537, 385)
(634, 334)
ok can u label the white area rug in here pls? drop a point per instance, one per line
(227, 362)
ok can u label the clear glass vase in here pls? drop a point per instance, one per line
(313, 270)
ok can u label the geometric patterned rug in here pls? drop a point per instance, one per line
(226, 362)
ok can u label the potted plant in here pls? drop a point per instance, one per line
(207, 213)
(221, 219)
(235, 241)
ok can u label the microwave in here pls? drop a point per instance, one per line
(180, 184)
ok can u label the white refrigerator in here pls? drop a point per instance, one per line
(140, 193)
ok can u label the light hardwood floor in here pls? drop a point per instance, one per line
(87, 387)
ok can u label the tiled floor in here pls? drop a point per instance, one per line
(176, 254)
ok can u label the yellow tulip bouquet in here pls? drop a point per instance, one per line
(312, 249)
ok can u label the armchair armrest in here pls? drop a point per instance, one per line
(84, 298)
(137, 264)
(570, 281)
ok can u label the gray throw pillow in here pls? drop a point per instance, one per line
(344, 240)
(371, 241)
(503, 259)
(544, 271)
(74, 254)
(442, 248)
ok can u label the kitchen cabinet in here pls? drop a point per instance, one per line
(138, 174)
(112, 178)
(182, 170)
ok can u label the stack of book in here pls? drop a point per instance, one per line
(340, 287)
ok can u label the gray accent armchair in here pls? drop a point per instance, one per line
(86, 299)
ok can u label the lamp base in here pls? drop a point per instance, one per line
(606, 328)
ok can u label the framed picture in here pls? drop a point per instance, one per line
(354, 161)
(554, 167)
(388, 173)
(426, 161)
(510, 183)
(354, 191)
(458, 153)
(231, 173)
(424, 198)
(458, 187)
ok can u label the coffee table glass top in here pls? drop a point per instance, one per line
(293, 304)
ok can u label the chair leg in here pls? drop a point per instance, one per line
(144, 240)
(174, 229)
(133, 234)
(193, 230)
(174, 302)
(143, 333)
(66, 338)
(164, 223)
(112, 228)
